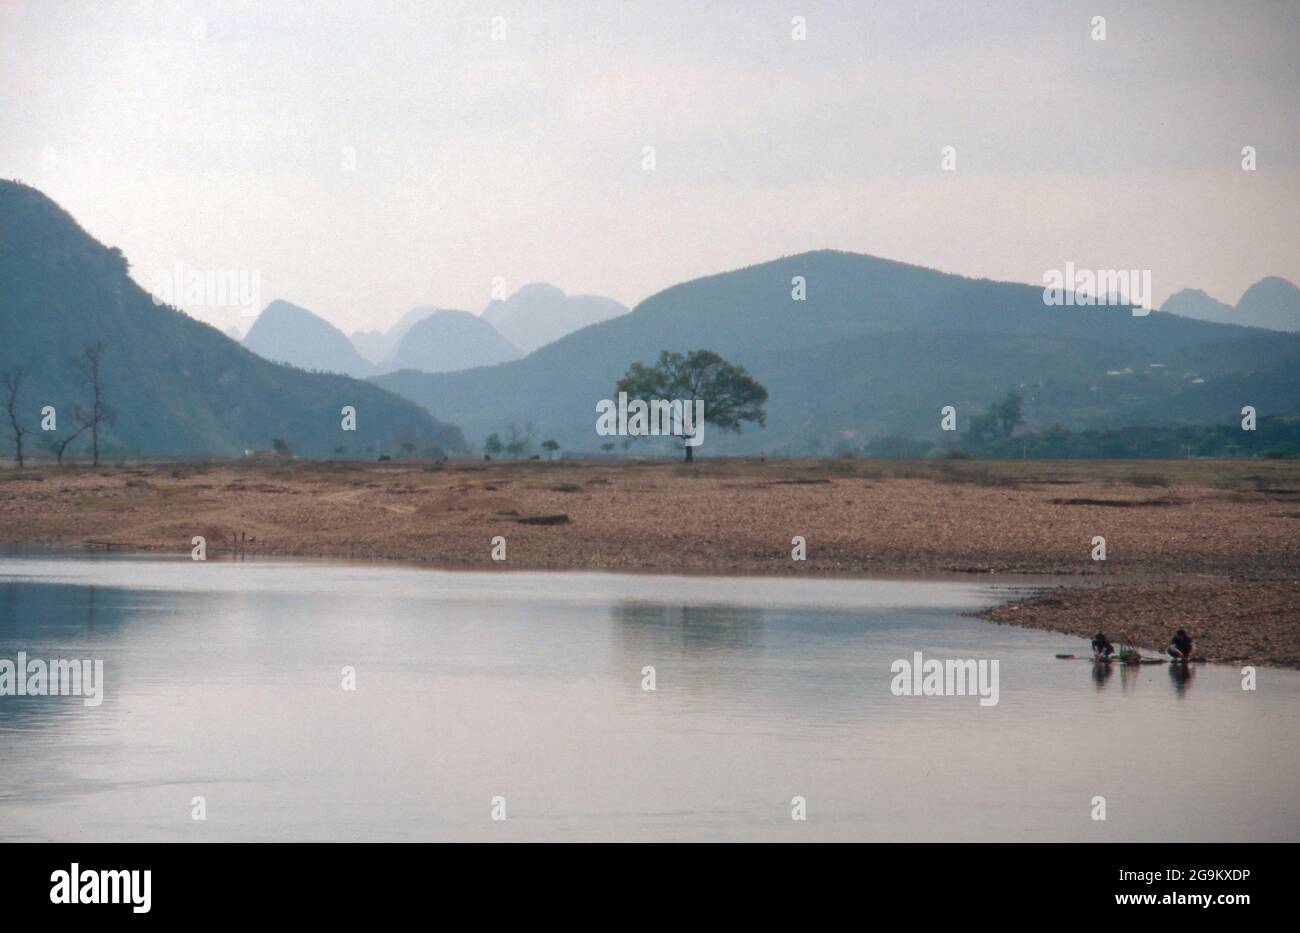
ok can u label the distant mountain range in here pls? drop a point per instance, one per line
(445, 341)
(378, 346)
(1272, 303)
(286, 333)
(539, 314)
(877, 349)
(179, 387)
(433, 340)
(535, 315)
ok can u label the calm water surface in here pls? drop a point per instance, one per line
(223, 680)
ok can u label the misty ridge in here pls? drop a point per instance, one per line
(861, 354)
(858, 355)
(427, 338)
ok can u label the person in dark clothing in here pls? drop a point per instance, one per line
(1182, 648)
(1102, 649)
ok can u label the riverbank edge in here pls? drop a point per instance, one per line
(1143, 610)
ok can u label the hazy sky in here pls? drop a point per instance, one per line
(217, 134)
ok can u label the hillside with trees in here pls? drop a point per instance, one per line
(174, 386)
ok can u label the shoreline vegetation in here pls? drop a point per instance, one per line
(1212, 546)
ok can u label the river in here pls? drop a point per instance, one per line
(523, 695)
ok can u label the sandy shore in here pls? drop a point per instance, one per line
(1211, 546)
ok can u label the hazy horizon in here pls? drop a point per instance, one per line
(364, 160)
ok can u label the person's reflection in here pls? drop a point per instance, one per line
(1101, 672)
(1181, 675)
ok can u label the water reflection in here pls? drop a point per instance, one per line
(50, 621)
(1181, 676)
(223, 680)
(1130, 675)
(690, 629)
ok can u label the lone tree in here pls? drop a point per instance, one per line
(492, 446)
(90, 367)
(730, 394)
(12, 381)
(519, 441)
(1000, 421)
(550, 447)
(1009, 412)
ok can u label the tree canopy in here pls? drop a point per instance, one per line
(730, 394)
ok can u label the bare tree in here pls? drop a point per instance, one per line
(90, 366)
(62, 445)
(12, 381)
